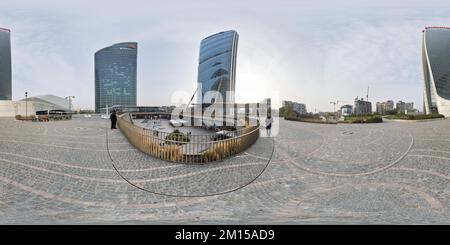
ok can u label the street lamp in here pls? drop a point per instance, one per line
(70, 103)
(334, 108)
(26, 105)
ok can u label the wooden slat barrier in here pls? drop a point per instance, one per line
(199, 149)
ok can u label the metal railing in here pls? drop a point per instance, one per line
(187, 148)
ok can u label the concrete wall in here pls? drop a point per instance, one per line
(10, 108)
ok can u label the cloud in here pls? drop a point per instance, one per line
(309, 52)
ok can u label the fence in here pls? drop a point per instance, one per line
(187, 149)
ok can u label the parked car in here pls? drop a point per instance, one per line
(177, 123)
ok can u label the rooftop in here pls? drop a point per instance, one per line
(436, 27)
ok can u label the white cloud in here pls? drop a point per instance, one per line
(310, 52)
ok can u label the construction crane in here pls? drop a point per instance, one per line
(367, 94)
(336, 104)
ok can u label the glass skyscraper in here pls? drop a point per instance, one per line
(5, 65)
(436, 70)
(115, 75)
(217, 65)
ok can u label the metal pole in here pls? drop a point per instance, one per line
(26, 105)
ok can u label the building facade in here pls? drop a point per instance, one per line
(404, 107)
(297, 107)
(362, 107)
(436, 70)
(217, 67)
(384, 107)
(47, 102)
(5, 65)
(116, 75)
(346, 110)
(34, 105)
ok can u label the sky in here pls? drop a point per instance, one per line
(312, 52)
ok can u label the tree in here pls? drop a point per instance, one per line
(284, 111)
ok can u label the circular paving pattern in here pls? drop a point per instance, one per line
(191, 180)
(393, 172)
(348, 150)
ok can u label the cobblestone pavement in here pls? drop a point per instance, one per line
(394, 172)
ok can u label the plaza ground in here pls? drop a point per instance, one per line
(392, 172)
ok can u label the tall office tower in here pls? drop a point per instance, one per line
(115, 75)
(217, 66)
(5, 65)
(436, 70)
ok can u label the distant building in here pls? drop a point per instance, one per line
(5, 65)
(115, 75)
(403, 107)
(120, 108)
(267, 102)
(384, 107)
(47, 102)
(297, 107)
(362, 107)
(409, 106)
(33, 105)
(346, 110)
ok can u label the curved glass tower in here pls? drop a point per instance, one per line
(115, 75)
(5, 65)
(436, 70)
(217, 65)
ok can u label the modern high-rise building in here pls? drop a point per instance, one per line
(362, 107)
(436, 70)
(115, 75)
(384, 107)
(217, 66)
(5, 65)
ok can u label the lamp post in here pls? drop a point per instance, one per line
(334, 108)
(26, 105)
(70, 103)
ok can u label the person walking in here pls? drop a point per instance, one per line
(113, 118)
(269, 121)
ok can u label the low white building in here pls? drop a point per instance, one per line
(9, 108)
(32, 105)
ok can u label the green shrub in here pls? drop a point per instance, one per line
(363, 119)
(29, 117)
(308, 119)
(178, 136)
(415, 117)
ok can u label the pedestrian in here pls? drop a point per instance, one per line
(113, 118)
(269, 121)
